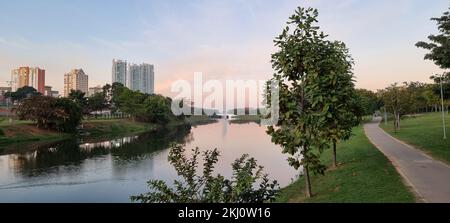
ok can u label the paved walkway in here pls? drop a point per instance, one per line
(428, 177)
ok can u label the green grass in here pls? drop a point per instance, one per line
(199, 120)
(24, 132)
(364, 175)
(424, 132)
(246, 119)
(113, 127)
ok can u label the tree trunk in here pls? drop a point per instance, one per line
(395, 122)
(308, 192)
(334, 154)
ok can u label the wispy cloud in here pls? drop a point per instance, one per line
(19, 42)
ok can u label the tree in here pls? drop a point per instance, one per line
(439, 45)
(97, 102)
(79, 98)
(305, 68)
(130, 102)
(40, 109)
(60, 114)
(22, 93)
(207, 188)
(157, 109)
(399, 100)
(341, 108)
(370, 102)
(71, 117)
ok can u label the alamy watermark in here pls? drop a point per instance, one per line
(237, 97)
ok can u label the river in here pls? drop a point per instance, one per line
(112, 170)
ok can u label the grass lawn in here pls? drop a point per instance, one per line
(246, 119)
(364, 175)
(199, 120)
(20, 132)
(424, 132)
(112, 127)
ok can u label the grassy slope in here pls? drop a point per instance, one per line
(364, 175)
(24, 132)
(246, 119)
(424, 132)
(114, 127)
(199, 120)
(20, 132)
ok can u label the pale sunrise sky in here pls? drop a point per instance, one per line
(227, 39)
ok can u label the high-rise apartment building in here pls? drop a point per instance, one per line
(137, 77)
(147, 78)
(141, 78)
(28, 76)
(119, 72)
(75, 80)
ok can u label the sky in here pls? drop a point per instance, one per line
(225, 40)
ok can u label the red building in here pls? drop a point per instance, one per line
(32, 77)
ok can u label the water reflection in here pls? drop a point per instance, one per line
(111, 170)
(73, 152)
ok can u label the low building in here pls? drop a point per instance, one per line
(94, 90)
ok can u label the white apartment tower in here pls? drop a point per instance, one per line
(137, 77)
(119, 72)
(141, 78)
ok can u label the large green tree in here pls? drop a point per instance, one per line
(307, 67)
(439, 45)
(439, 52)
(60, 114)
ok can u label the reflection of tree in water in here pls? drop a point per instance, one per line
(71, 153)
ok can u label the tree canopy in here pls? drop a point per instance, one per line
(315, 83)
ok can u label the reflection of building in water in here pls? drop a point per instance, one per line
(111, 144)
(16, 162)
(225, 123)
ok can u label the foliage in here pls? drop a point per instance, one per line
(309, 68)
(145, 107)
(439, 45)
(22, 93)
(445, 85)
(97, 102)
(60, 114)
(369, 100)
(439, 52)
(398, 100)
(157, 109)
(72, 115)
(207, 188)
(78, 97)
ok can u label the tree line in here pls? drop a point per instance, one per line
(65, 114)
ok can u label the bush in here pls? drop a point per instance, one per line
(247, 185)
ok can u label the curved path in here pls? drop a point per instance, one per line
(429, 178)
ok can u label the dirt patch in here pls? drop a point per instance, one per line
(26, 130)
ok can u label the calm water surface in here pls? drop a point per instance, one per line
(112, 170)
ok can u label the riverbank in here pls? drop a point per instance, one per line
(424, 131)
(24, 132)
(364, 175)
(246, 119)
(195, 120)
